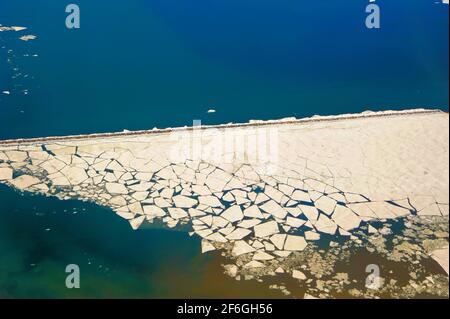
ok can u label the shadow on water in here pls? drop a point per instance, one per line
(40, 236)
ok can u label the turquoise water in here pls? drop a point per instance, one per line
(138, 64)
(40, 236)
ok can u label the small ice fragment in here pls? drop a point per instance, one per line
(17, 28)
(211, 111)
(6, 92)
(28, 37)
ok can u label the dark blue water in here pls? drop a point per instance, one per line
(137, 64)
(40, 236)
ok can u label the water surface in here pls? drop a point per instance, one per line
(139, 64)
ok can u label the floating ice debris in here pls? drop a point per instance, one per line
(260, 221)
(6, 173)
(231, 270)
(441, 256)
(254, 264)
(6, 92)
(207, 246)
(279, 270)
(371, 229)
(297, 274)
(18, 28)
(266, 229)
(28, 37)
(295, 243)
(233, 214)
(260, 255)
(211, 111)
(12, 28)
(241, 247)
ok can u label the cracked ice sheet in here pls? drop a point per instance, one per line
(331, 178)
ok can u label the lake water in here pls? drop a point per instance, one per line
(138, 64)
